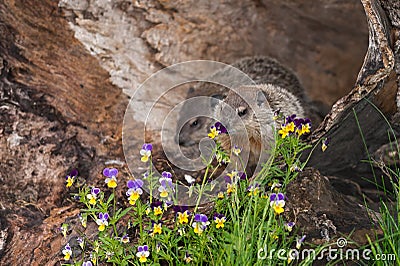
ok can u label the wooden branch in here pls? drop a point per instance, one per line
(378, 63)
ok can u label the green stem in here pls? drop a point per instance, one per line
(200, 192)
(202, 187)
(151, 179)
(139, 210)
(312, 150)
(114, 211)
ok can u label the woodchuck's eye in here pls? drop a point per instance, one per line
(194, 123)
(242, 111)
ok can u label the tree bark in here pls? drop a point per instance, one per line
(364, 120)
(53, 98)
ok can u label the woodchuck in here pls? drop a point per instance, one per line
(261, 69)
(248, 114)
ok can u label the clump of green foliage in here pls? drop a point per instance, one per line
(245, 226)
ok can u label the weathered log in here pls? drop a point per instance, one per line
(359, 123)
(322, 212)
(53, 96)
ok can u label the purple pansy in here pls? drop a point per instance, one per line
(242, 176)
(71, 177)
(277, 202)
(95, 191)
(103, 216)
(110, 172)
(290, 118)
(325, 143)
(166, 178)
(276, 197)
(299, 122)
(200, 218)
(155, 204)
(228, 179)
(220, 220)
(134, 184)
(73, 172)
(134, 190)
(289, 226)
(102, 221)
(147, 147)
(143, 253)
(146, 152)
(180, 209)
(93, 195)
(200, 223)
(221, 128)
(218, 215)
(143, 248)
(300, 241)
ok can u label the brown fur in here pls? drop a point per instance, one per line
(248, 114)
(260, 69)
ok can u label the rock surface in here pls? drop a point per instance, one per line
(323, 214)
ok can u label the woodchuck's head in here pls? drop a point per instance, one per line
(196, 117)
(193, 131)
(245, 111)
(248, 114)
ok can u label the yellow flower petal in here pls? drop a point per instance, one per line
(278, 209)
(157, 229)
(67, 256)
(143, 258)
(70, 181)
(102, 227)
(183, 218)
(164, 194)
(213, 133)
(134, 196)
(324, 147)
(112, 183)
(197, 229)
(157, 211)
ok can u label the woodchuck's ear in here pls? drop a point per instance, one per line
(215, 99)
(260, 98)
